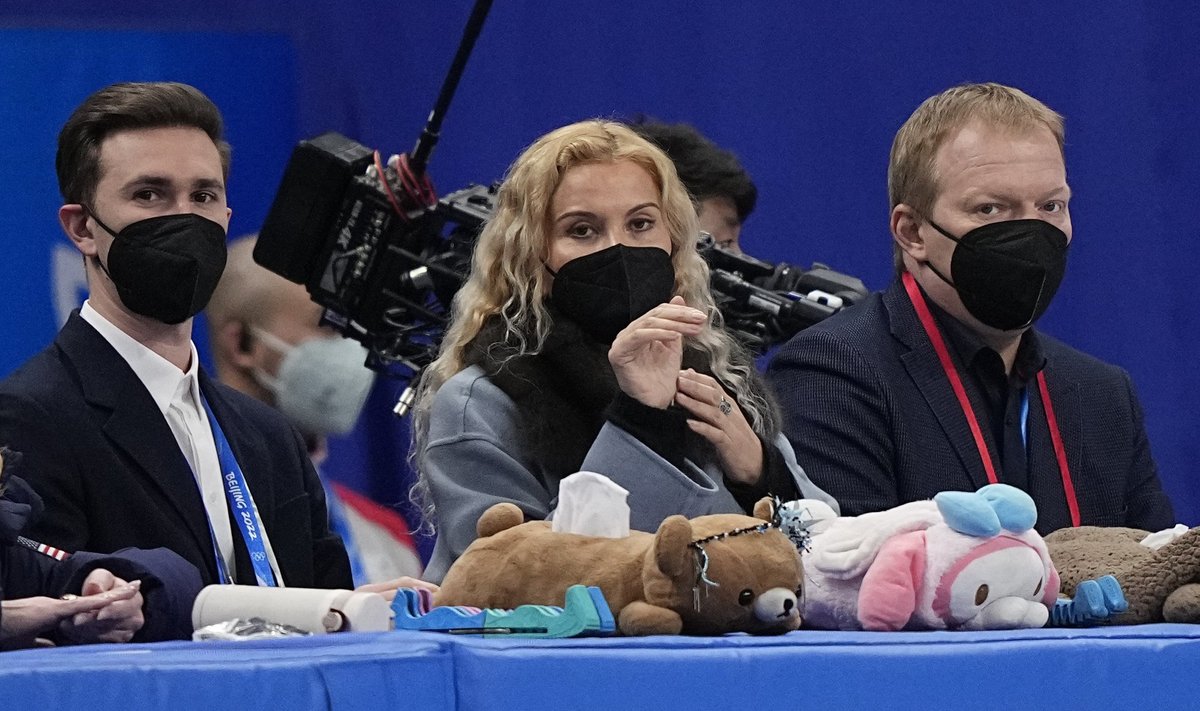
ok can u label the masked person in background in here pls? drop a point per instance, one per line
(267, 342)
(583, 340)
(125, 437)
(942, 382)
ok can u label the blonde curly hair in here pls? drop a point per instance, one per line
(509, 281)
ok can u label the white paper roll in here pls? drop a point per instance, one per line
(312, 610)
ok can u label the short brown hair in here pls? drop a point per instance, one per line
(123, 107)
(912, 172)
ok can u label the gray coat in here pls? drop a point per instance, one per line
(474, 459)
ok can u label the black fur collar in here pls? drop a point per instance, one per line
(561, 393)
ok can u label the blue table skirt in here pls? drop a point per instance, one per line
(1151, 667)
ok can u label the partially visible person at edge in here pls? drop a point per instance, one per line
(584, 339)
(942, 381)
(724, 193)
(267, 342)
(49, 597)
(125, 437)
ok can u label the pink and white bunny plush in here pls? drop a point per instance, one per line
(962, 561)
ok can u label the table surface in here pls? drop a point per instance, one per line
(1151, 666)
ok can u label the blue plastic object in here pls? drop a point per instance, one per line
(1095, 601)
(585, 613)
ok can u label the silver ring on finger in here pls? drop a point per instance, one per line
(725, 406)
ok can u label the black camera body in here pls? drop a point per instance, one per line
(387, 269)
(326, 222)
(385, 276)
(765, 304)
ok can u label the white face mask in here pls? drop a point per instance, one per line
(322, 382)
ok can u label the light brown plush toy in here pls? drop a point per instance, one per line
(1160, 585)
(710, 575)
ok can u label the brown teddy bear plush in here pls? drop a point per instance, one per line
(711, 575)
(1160, 585)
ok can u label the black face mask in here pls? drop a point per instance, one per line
(603, 292)
(1007, 272)
(166, 268)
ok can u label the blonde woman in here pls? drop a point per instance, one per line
(585, 338)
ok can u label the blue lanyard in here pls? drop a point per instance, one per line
(1025, 418)
(223, 574)
(340, 525)
(242, 505)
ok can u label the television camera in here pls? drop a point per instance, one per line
(374, 245)
(765, 304)
(386, 275)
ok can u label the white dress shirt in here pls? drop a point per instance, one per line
(177, 395)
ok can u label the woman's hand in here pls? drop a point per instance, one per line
(716, 417)
(28, 617)
(646, 356)
(116, 621)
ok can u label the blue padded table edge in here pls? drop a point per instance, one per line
(1149, 666)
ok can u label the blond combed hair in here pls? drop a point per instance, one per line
(509, 280)
(912, 167)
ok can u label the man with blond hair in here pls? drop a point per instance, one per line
(941, 382)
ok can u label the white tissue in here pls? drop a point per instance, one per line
(1161, 538)
(591, 504)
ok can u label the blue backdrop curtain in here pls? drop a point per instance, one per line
(808, 95)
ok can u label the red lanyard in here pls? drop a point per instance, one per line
(960, 392)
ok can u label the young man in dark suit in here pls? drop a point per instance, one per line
(941, 382)
(127, 440)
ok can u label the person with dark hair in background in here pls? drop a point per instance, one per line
(942, 382)
(724, 193)
(126, 438)
(583, 340)
(267, 342)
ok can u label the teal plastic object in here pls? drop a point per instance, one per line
(585, 613)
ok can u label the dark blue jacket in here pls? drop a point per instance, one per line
(874, 421)
(169, 583)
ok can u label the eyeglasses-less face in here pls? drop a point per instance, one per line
(598, 205)
(987, 175)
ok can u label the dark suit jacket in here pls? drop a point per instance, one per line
(103, 458)
(874, 422)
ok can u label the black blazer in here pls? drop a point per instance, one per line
(874, 422)
(103, 458)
